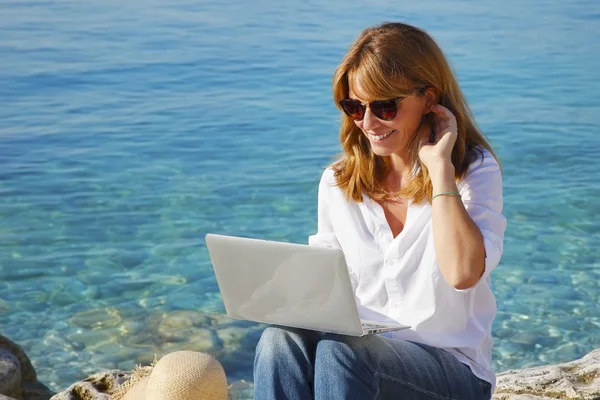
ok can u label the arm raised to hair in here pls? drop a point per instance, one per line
(468, 230)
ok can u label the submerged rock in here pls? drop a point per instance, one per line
(18, 379)
(579, 379)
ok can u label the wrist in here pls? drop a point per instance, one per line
(441, 172)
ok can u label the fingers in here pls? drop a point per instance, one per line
(443, 113)
(438, 108)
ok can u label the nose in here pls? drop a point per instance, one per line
(370, 121)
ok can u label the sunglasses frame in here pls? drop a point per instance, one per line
(373, 105)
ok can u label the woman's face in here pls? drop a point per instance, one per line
(390, 137)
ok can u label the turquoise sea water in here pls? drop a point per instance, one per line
(129, 131)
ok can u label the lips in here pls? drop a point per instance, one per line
(381, 137)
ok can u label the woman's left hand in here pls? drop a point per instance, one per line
(438, 153)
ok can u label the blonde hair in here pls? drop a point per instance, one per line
(391, 60)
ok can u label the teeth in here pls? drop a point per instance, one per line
(381, 137)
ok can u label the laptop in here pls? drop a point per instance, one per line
(288, 284)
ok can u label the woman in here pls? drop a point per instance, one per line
(415, 204)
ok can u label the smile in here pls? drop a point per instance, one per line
(379, 138)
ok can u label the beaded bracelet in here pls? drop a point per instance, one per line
(446, 194)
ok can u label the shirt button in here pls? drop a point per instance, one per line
(394, 305)
(390, 262)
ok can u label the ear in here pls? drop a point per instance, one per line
(431, 99)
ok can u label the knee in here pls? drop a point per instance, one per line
(273, 334)
(344, 349)
(275, 340)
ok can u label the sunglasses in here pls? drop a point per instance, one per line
(383, 109)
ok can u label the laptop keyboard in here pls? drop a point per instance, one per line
(374, 326)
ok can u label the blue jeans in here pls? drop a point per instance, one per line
(299, 364)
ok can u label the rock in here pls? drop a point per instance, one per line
(10, 374)
(579, 379)
(96, 387)
(35, 390)
(18, 379)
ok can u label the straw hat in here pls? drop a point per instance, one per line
(182, 375)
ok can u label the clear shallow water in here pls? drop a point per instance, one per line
(127, 132)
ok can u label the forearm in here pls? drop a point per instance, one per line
(457, 240)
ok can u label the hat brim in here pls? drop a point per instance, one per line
(138, 390)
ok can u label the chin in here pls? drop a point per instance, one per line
(384, 149)
(381, 152)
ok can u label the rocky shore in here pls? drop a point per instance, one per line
(579, 379)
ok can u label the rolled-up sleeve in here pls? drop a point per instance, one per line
(481, 193)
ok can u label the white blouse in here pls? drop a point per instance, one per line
(398, 279)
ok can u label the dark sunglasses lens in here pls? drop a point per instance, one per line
(353, 109)
(384, 109)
